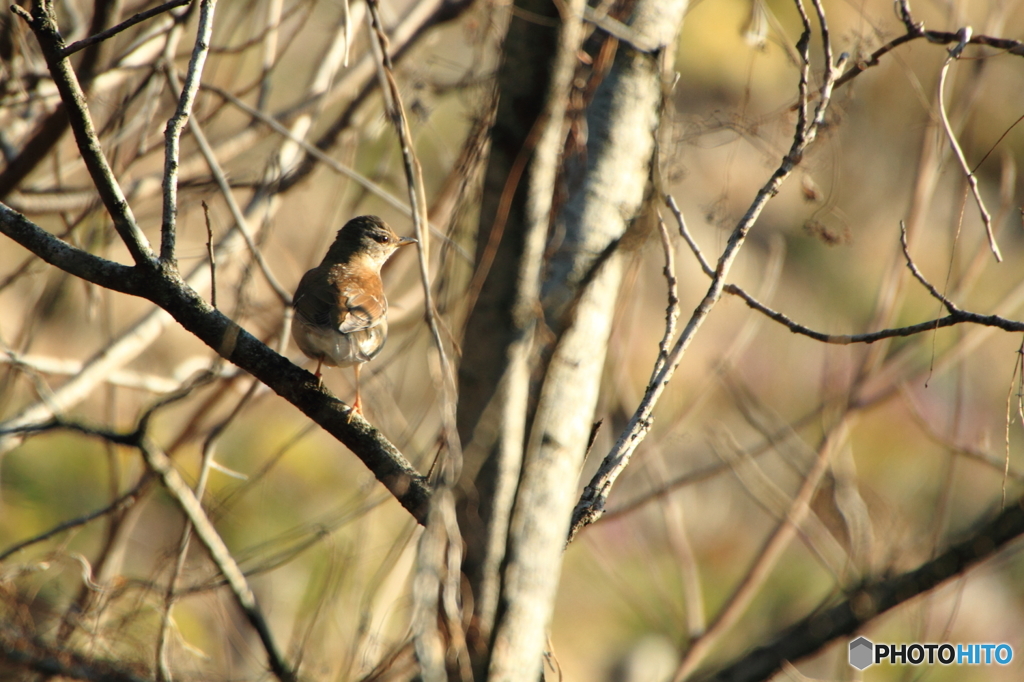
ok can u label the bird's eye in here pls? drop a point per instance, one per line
(381, 238)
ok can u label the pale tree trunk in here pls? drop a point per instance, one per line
(527, 404)
(491, 425)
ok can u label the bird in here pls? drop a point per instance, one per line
(340, 308)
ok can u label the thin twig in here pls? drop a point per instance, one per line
(211, 255)
(672, 307)
(972, 179)
(916, 30)
(831, 71)
(126, 24)
(160, 464)
(418, 203)
(44, 24)
(338, 167)
(172, 144)
(123, 502)
(672, 284)
(1015, 389)
(439, 555)
(170, 595)
(592, 503)
(921, 278)
(685, 232)
(960, 317)
(236, 211)
(956, 316)
(766, 560)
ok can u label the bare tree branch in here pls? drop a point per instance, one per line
(956, 316)
(236, 211)
(591, 504)
(916, 31)
(160, 464)
(959, 317)
(44, 24)
(122, 502)
(68, 258)
(972, 179)
(582, 281)
(296, 385)
(52, 128)
(172, 136)
(871, 600)
(672, 308)
(219, 553)
(126, 24)
(767, 558)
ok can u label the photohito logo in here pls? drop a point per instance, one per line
(864, 652)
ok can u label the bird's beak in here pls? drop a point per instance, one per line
(405, 241)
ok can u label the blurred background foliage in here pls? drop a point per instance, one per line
(924, 420)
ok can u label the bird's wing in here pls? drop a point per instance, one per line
(361, 305)
(315, 299)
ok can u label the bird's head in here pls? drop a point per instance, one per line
(367, 237)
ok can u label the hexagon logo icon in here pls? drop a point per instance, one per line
(861, 653)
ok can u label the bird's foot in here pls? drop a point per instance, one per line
(318, 375)
(357, 408)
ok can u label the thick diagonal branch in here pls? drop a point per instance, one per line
(171, 293)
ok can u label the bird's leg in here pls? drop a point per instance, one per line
(319, 377)
(357, 405)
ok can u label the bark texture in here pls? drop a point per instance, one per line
(551, 393)
(495, 369)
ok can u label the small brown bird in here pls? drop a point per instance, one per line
(340, 309)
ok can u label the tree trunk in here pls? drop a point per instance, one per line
(513, 562)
